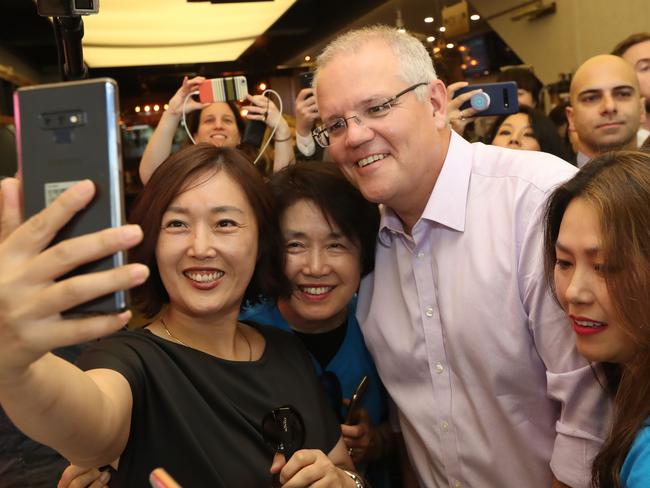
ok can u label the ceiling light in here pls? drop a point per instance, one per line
(450, 45)
(431, 39)
(166, 106)
(262, 86)
(137, 109)
(428, 20)
(148, 32)
(147, 108)
(474, 17)
(462, 48)
(156, 108)
(442, 29)
(402, 30)
(307, 58)
(436, 50)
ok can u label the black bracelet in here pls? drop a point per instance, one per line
(282, 140)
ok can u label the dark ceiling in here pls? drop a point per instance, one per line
(30, 37)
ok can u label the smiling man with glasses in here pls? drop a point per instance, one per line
(478, 358)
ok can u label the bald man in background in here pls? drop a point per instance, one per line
(606, 106)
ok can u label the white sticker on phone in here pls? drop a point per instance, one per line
(53, 190)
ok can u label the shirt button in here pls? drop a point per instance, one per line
(457, 484)
(444, 425)
(429, 312)
(439, 367)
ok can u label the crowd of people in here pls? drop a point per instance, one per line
(494, 296)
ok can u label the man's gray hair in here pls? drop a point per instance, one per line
(414, 62)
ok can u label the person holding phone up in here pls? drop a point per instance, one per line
(306, 117)
(218, 123)
(191, 391)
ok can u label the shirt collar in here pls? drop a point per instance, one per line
(448, 201)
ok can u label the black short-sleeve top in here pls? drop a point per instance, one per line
(200, 417)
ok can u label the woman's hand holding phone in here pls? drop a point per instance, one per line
(31, 300)
(459, 118)
(176, 102)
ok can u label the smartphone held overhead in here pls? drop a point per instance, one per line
(494, 98)
(66, 133)
(226, 89)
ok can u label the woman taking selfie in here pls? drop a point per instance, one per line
(192, 391)
(597, 250)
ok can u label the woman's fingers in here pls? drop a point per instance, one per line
(68, 293)
(72, 253)
(10, 208)
(36, 233)
(47, 336)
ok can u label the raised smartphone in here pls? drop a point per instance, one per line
(68, 132)
(306, 79)
(496, 98)
(355, 401)
(226, 89)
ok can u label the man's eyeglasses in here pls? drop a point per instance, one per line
(328, 133)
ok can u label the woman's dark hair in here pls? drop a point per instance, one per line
(341, 203)
(178, 174)
(193, 118)
(543, 130)
(525, 80)
(617, 185)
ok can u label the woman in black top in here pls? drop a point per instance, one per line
(188, 392)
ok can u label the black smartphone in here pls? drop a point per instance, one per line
(496, 98)
(355, 401)
(226, 89)
(68, 132)
(306, 79)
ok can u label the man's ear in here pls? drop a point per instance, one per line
(438, 99)
(569, 117)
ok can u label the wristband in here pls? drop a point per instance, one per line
(282, 140)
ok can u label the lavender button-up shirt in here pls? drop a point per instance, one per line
(478, 358)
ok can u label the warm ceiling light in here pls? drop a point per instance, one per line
(462, 49)
(243, 112)
(442, 29)
(474, 17)
(156, 108)
(148, 32)
(473, 62)
(307, 58)
(463, 67)
(431, 39)
(436, 50)
(261, 86)
(147, 108)
(428, 20)
(137, 109)
(166, 106)
(450, 45)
